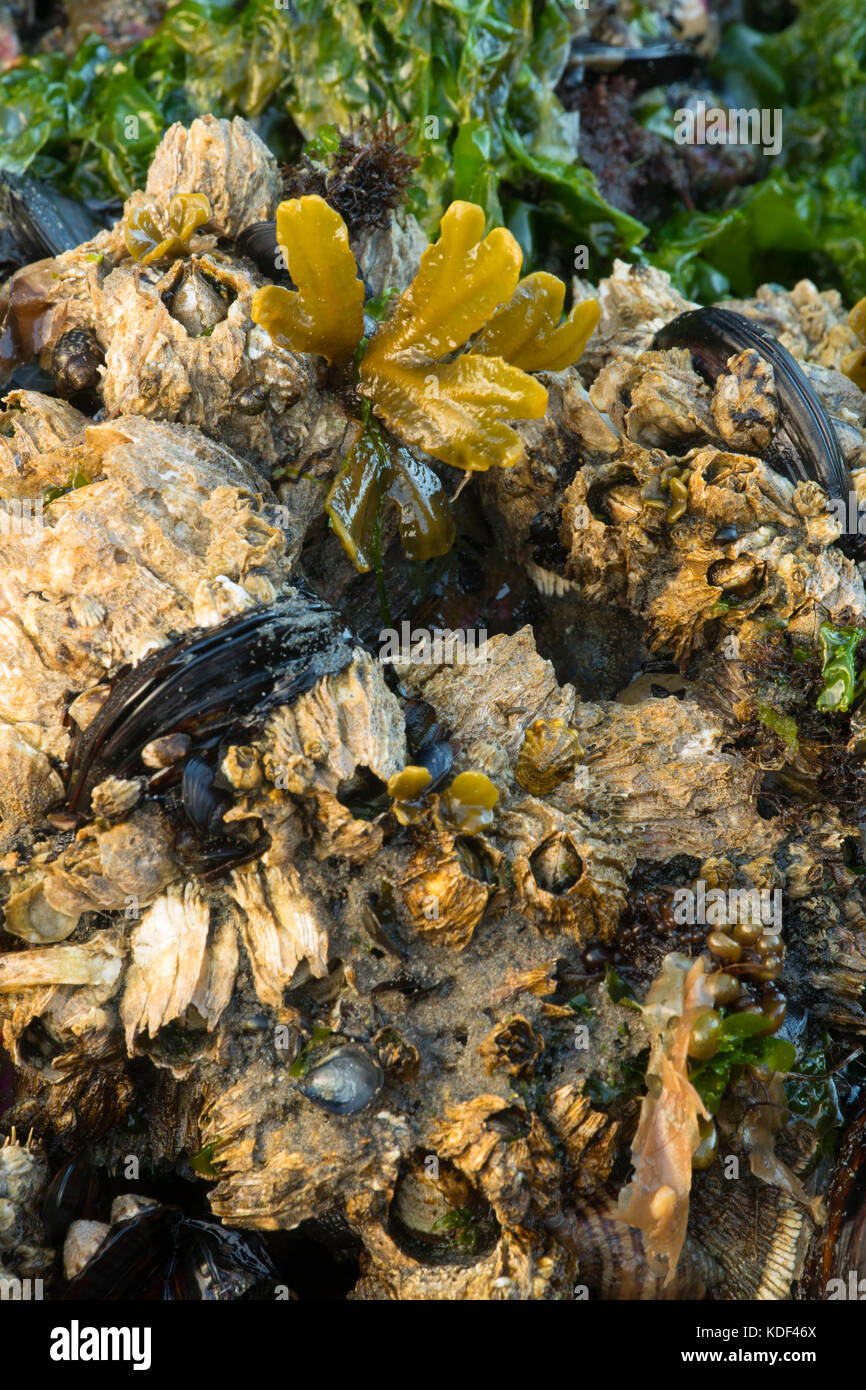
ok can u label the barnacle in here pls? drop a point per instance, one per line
(146, 242)
(854, 365)
(412, 985)
(456, 411)
(548, 755)
(325, 314)
(527, 332)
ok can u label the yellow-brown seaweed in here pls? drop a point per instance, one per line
(527, 331)
(146, 242)
(325, 315)
(469, 801)
(457, 411)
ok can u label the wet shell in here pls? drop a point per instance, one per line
(23, 1176)
(758, 1235)
(345, 1082)
(437, 1216)
(713, 336)
(75, 362)
(205, 682)
(196, 303)
(613, 1263)
(548, 755)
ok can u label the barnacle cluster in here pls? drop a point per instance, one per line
(412, 954)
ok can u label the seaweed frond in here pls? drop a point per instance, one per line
(455, 410)
(418, 371)
(325, 315)
(527, 331)
(146, 241)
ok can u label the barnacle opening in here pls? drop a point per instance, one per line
(437, 1216)
(615, 499)
(556, 865)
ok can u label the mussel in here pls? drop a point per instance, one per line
(44, 222)
(345, 1081)
(161, 1254)
(259, 243)
(203, 685)
(204, 804)
(650, 66)
(805, 448)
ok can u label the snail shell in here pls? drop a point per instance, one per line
(613, 1262)
(548, 755)
(345, 1082)
(75, 362)
(251, 401)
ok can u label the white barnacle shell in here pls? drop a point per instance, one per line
(217, 600)
(130, 1204)
(83, 1239)
(98, 962)
(29, 915)
(223, 159)
(171, 966)
(280, 926)
(116, 795)
(353, 714)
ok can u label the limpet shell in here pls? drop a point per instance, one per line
(548, 755)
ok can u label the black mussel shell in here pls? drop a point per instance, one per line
(207, 683)
(44, 222)
(650, 66)
(133, 1261)
(160, 1254)
(74, 1194)
(422, 726)
(712, 336)
(258, 242)
(437, 758)
(212, 1264)
(204, 804)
